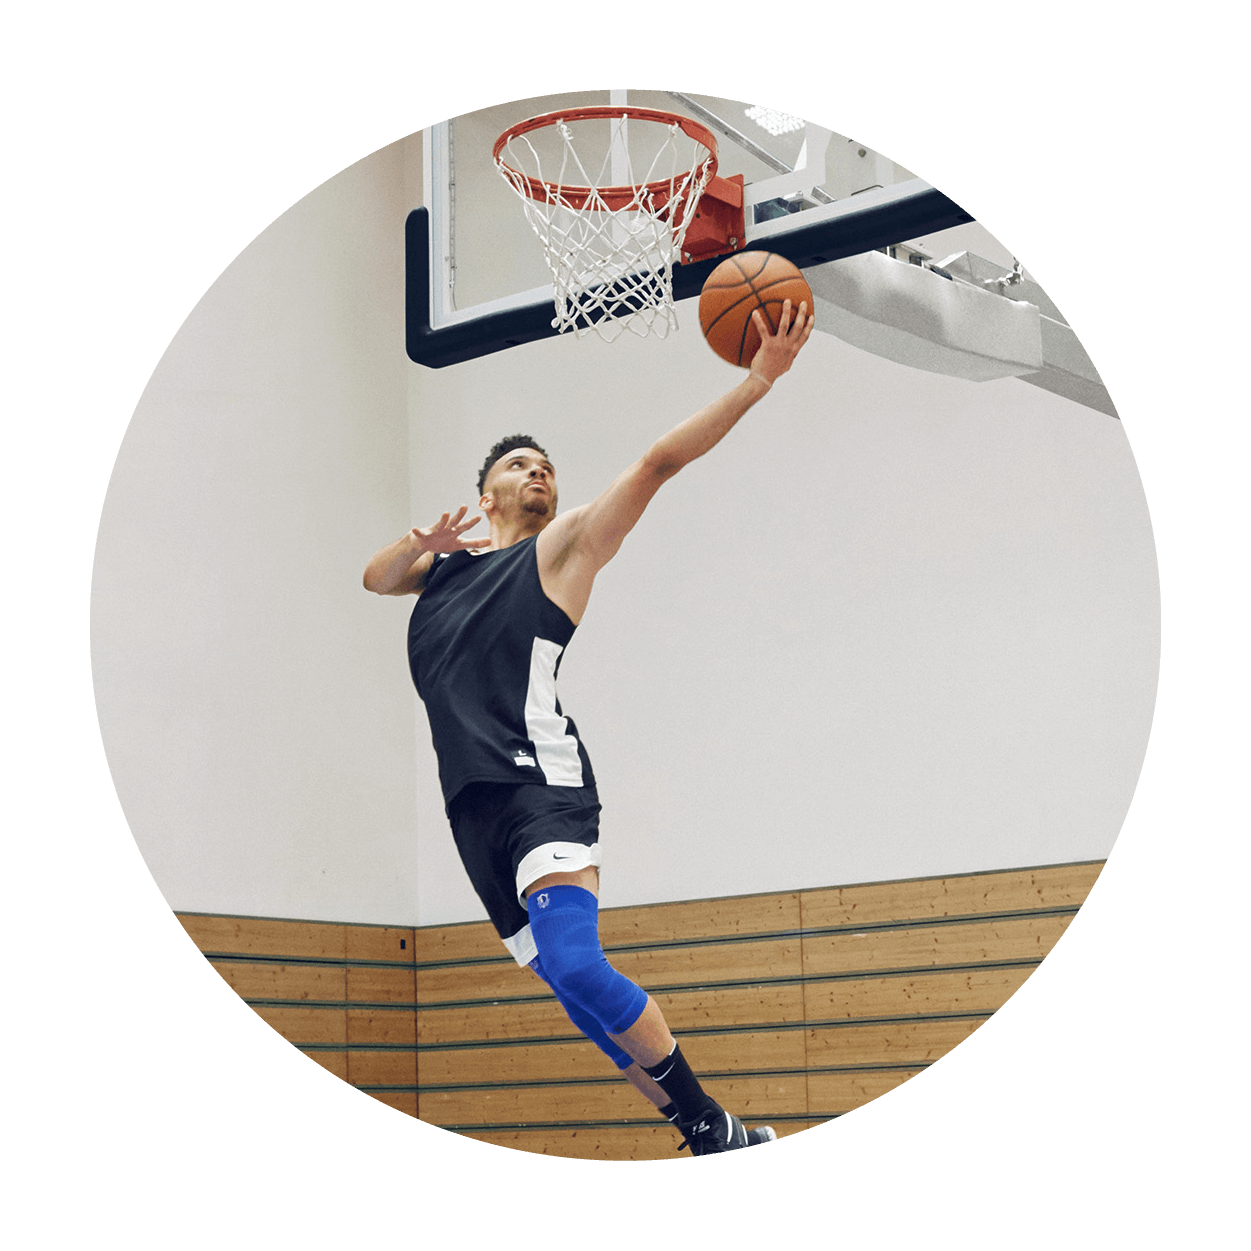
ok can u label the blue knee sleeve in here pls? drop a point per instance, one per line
(587, 1024)
(565, 923)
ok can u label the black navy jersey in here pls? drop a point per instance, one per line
(484, 648)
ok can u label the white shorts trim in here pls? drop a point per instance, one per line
(521, 946)
(554, 858)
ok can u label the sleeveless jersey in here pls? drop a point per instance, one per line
(484, 648)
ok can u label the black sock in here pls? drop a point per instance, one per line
(673, 1075)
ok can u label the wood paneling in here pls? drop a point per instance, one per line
(795, 1007)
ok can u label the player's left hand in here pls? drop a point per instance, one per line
(777, 352)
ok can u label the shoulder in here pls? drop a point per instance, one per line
(560, 533)
(594, 532)
(565, 541)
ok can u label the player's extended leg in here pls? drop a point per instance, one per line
(564, 920)
(630, 1068)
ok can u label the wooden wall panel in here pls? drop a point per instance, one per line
(794, 1007)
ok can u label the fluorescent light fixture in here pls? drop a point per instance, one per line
(773, 121)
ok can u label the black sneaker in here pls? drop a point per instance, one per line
(719, 1131)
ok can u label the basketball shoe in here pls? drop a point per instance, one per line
(719, 1131)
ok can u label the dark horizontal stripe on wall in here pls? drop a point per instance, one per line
(711, 1075)
(872, 927)
(714, 1031)
(325, 962)
(679, 988)
(331, 1005)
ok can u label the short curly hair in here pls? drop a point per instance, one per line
(502, 448)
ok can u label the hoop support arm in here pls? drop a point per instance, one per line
(717, 227)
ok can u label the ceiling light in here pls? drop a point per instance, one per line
(773, 121)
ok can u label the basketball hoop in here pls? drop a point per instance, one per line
(610, 239)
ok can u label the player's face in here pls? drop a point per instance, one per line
(525, 482)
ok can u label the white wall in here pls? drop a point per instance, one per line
(896, 625)
(251, 701)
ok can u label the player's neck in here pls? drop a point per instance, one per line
(509, 533)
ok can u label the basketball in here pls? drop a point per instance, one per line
(739, 285)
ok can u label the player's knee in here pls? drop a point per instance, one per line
(565, 923)
(585, 1022)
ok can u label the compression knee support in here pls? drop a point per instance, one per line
(586, 1023)
(565, 923)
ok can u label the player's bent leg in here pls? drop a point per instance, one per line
(648, 1040)
(586, 1023)
(564, 921)
(637, 1077)
(630, 1068)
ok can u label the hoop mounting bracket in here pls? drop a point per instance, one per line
(718, 225)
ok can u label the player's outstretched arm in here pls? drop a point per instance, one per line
(401, 567)
(598, 528)
(702, 432)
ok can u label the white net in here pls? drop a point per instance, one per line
(609, 238)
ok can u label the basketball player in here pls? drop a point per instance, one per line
(492, 618)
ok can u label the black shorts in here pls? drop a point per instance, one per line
(509, 836)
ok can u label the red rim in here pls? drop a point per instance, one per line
(614, 197)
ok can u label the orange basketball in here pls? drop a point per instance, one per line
(741, 283)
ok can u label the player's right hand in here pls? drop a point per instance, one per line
(777, 352)
(445, 534)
